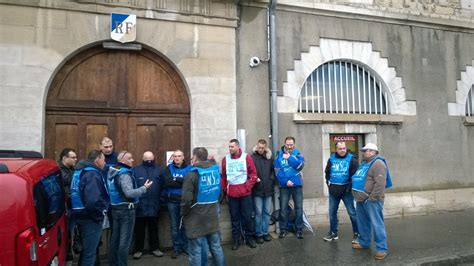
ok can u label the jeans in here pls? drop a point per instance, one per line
(263, 210)
(348, 200)
(297, 195)
(122, 230)
(196, 250)
(241, 210)
(141, 223)
(370, 220)
(90, 233)
(178, 235)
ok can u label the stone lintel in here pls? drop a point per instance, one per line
(318, 118)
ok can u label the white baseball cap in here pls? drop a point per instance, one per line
(370, 146)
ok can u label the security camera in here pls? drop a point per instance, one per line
(254, 61)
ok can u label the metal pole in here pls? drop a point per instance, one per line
(273, 76)
(273, 92)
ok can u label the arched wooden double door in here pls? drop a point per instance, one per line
(135, 97)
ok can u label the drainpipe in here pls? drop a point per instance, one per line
(273, 73)
(271, 42)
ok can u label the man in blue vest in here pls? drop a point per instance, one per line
(201, 191)
(288, 165)
(174, 178)
(146, 214)
(89, 200)
(339, 169)
(238, 178)
(368, 187)
(124, 194)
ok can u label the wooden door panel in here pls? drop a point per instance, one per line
(66, 138)
(154, 84)
(82, 133)
(158, 135)
(94, 134)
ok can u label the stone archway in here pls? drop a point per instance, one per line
(332, 49)
(137, 98)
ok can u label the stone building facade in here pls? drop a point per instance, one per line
(420, 53)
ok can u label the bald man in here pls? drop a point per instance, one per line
(146, 214)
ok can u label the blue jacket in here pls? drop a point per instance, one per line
(289, 169)
(149, 203)
(93, 193)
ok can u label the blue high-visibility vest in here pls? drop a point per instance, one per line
(339, 174)
(116, 194)
(358, 179)
(209, 184)
(177, 174)
(76, 199)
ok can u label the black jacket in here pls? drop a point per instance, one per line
(339, 190)
(264, 165)
(149, 203)
(171, 182)
(66, 173)
(93, 193)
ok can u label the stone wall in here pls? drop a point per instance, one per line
(36, 41)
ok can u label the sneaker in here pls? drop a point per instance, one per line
(282, 234)
(137, 255)
(174, 255)
(260, 240)
(235, 244)
(184, 252)
(355, 239)
(380, 255)
(299, 235)
(330, 237)
(358, 246)
(251, 243)
(157, 253)
(267, 238)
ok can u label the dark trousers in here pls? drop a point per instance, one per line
(140, 224)
(241, 211)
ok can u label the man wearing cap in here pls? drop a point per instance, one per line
(368, 187)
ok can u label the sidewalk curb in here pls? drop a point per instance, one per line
(455, 259)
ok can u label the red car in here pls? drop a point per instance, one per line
(32, 210)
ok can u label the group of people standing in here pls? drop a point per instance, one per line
(107, 188)
(365, 184)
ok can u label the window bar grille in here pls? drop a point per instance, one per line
(347, 89)
(369, 101)
(352, 88)
(375, 96)
(334, 74)
(364, 89)
(324, 91)
(468, 103)
(319, 95)
(312, 93)
(386, 103)
(358, 89)
(306, 95)
(329, 86)
(300, 102)
(380, 98)
(340, 86)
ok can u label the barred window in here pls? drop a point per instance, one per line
(343, 87)
(470, 103)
